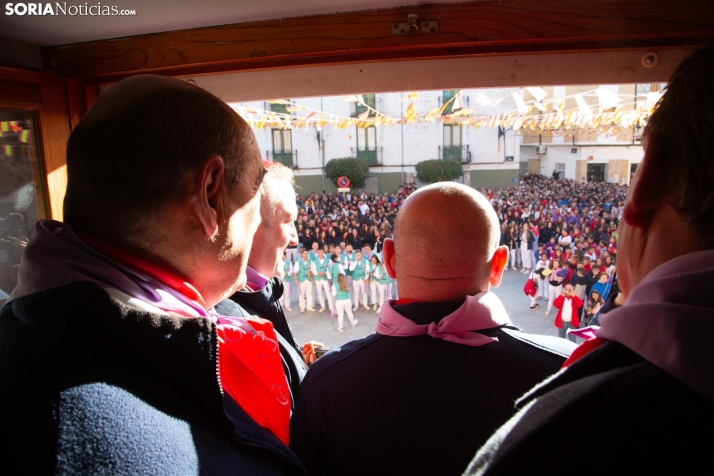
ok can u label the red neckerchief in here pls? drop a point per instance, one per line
(584, 349)
(250, 366)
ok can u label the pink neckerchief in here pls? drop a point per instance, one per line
(482, 311)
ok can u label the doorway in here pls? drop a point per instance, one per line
(596, 172)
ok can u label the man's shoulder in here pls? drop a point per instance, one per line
(339, 357)
(621, 404)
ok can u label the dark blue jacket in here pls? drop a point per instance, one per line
(412, 405)
(90, 386)
(631, 416)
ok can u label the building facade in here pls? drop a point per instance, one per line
(491, 157)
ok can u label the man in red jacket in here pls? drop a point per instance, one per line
(568, 305)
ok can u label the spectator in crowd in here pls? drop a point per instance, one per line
(648, 375)
(470, 365)
(569, 306)
(593, 307)
(602, 286)
(109, 342)
(556, 277)
(531, 289)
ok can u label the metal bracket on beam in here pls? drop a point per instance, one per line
(412, 26)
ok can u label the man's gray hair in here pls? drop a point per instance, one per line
(278, 187)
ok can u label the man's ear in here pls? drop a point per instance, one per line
(209, 197)
(388, 254)
(498, 264)
(649, 186)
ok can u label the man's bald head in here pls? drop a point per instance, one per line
(444, 241)
(141, 146)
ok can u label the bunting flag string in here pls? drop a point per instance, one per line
(612, 115)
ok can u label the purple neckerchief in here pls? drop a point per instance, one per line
(256, 281)
(482, 311)
(56, 257)
(560, 272)
(668, 319)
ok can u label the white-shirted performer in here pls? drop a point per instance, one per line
(320, 269)
(357, 267)
(303, 281)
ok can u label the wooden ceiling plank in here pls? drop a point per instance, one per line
(474, 28)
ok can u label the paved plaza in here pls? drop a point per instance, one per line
(320, 327)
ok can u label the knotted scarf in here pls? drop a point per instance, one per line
(479, 312)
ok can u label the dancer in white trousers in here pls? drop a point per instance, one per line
(555, 281)
(319, 269)
(303, 282)
(359, 272)
(343, 302)
(377, 287)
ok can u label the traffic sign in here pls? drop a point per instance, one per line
(343, 182)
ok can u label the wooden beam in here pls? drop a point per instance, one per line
(553, 69)
(54, 129)
(76, 99)
(489, 27)
(20, 85)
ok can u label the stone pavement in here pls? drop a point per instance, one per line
(320, 327)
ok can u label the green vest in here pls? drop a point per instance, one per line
(303, 269)
(384, 278)
(321, 268)
(288, 270)
(358, 273)
(334, 271)
(311, 256)
(341, 294)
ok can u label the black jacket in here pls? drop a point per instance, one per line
(611, 412)
(91, 386)
(265, 303)
(412, 405)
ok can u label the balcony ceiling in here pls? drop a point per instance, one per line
(154, 16)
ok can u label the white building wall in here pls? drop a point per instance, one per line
(403, 145)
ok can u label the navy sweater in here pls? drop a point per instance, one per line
(90, 386)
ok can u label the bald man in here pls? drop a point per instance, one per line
(445, 367)
(110, 342)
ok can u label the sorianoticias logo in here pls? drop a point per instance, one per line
(62, 8)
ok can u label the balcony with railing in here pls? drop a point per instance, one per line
(374, 156)
(288, 158)
(458, 152)
(371, 100)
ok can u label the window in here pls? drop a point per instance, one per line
(446, 97)
(452, 136)
(22, 202)
(452, 142)
(283, 147)
(359, 108)
(279, 107)
(367, 144)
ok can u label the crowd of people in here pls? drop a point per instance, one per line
(559, 232)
